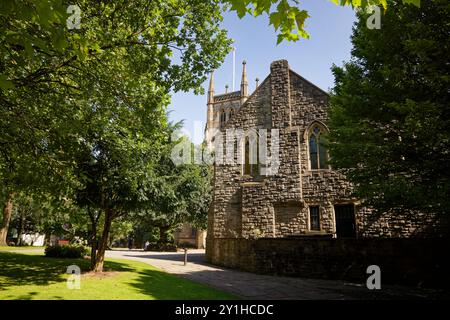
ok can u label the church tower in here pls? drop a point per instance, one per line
(222, 107)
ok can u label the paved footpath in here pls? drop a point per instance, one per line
(254, 286)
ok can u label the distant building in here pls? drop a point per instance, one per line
(26, 239)
(188, 235)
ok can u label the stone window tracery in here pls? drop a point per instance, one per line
(318, 153)
(223, 118)
(251, 156)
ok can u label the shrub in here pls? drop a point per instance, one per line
(187, 245)
(67, 251)
(161, 247)
(78, 242)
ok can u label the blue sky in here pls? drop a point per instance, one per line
(330, 28)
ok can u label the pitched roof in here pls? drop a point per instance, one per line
(228, 96)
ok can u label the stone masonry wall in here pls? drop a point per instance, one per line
(423, 262)
(288, 103)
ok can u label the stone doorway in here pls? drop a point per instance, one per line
(345, 221)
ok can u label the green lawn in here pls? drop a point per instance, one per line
(13, 248)
(31, 276)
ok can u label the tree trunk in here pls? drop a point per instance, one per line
(109, 215)
(93, 236)
(163, 234)
(19, 233)
(93, 245)
(110, 242)
(7, 212)
(47, 238)
(93, 252)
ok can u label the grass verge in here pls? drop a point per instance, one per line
(32, 276)
(18, 248)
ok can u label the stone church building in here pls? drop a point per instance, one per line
(301, 196)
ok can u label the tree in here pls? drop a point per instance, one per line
(53, 55)
(6, 218)
(288, 18)
(390, 115)
(120, 229)
(19, 171)
(181, 193)
(199, 193)
(25, 218)
(143, 230)
(79, 100)
(42, 214)
(113, 167)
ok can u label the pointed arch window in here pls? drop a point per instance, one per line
(251, 156)
(223, 118)
(318, 153)
(231, 114)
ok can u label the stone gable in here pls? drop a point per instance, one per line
(278, 205)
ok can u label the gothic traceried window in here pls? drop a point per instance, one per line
(318, 154)
(251, 157)
(247, 169)
(223, 118)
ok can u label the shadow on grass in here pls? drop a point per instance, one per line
(163, 286)
(18, 269)
(21, 269)
(27, 296)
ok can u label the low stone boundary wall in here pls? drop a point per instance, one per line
(423, 262)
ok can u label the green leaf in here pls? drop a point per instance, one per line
(280, 38)
(414, 2)
(261, 6)
(275, 19)
(300, 19)
(96, 48)
(240, 6)
(5, 83)
(28, 47)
